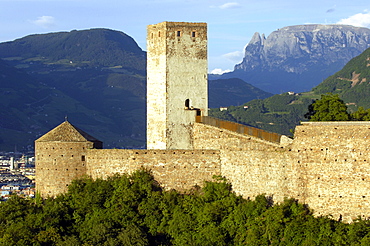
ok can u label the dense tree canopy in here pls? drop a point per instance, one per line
(329, 108)
(135, 210)
(361, 114)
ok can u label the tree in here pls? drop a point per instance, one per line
(361, 114)
(329, 108)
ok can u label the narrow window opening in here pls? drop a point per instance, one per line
(83, 158)
(187, 103)
(159, 34)
(178, 33)
(193, 34)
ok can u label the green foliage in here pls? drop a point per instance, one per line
(329, 108)
(361, 114)
(134, 210)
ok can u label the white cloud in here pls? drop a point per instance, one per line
(361, 19)
(235, 56)
(219, 71)
(44, 21)
(231, 5)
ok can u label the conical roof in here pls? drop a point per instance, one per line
(66, 132)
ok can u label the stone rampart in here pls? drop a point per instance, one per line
(333, 165)
(252, 165)
(327, 166)
(174, 169)
(211, 137)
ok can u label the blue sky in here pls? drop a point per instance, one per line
(231, 24)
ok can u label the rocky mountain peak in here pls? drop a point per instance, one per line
(297, 58)
(296, 48)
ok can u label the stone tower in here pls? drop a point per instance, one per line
(176, 83)
(61, 157)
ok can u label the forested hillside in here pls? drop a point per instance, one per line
(351, 83)
(135, 210)
(226, 92)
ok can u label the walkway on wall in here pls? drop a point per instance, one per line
(239, 128)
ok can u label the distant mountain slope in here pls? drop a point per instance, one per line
(227, 92)
(30, 108)
(281, 113)
(297, 58)
(102, 47)
(95, 77)
(351, 83)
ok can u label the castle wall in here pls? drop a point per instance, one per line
(333, 164)
(327, 166)
(252, 165)
(256, 172)
(210, 137)
(174, 169)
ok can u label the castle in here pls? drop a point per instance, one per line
(326, 165)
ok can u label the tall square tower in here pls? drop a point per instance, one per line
(177, 86)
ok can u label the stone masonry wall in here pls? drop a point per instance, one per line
(210, 137)
(174, 169)
(58, 163)
(333, 165)
(327, 166)
(253, 166)
(256, 172)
